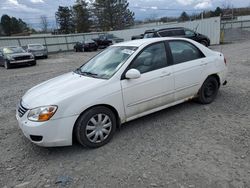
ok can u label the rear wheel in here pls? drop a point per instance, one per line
(7, 64)
(95, 127)
(208, 91)
(205, 43)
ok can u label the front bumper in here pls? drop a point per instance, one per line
(22, 61)
(51, 133)
(39, 53)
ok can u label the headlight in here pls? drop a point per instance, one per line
(10, 58)
(42, 113)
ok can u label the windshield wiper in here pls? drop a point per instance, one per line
(89, 74)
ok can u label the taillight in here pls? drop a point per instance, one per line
(225, 61)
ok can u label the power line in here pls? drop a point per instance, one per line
(168, 9)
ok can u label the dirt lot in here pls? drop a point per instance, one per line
(189, 145)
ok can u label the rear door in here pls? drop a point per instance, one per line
(188, 69)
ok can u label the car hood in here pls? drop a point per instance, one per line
(19, 54)
(53, 91)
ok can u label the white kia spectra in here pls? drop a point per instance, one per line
(124, 82)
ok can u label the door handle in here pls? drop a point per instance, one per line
(203, 64)
(164, 74)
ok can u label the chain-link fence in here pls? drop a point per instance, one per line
(235, 31)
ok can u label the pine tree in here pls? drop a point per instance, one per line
(81, 16)
(112, 15)
(64, 18)
(184, 17)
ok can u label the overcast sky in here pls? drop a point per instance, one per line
(31, 10)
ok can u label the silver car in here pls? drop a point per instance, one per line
(38, 50)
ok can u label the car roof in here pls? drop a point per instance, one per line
(140, 42)
(163, 29)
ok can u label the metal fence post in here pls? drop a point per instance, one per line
(67, 43)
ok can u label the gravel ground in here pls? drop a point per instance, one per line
(189, 145)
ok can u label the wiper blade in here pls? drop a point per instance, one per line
(89, 74)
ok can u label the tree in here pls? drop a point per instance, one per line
(217, 12)
(81, 16)
(112, 15)
(64, 18)
(44, 24)
(184, 17)
(6, 24)
(12, 25)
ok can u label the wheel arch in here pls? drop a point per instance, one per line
(217, 78)
(118, 120)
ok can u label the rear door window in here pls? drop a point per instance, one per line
(178, 32)
(183, 51)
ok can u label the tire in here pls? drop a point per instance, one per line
(33, 63)
(208, 91)
(204, 43)
(7, 64)
(46, 56)
(95, 127)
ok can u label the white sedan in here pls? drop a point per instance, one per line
(124, 82)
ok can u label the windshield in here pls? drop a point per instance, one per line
(148, 35)
(12, 50)
(107, 63)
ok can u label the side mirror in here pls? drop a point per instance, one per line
(133, 74)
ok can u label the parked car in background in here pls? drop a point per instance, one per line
(124, 82)
(88, 45)
(106, 40)
(38, 50)
(135, 37)
(178, 32)
(15, 55)
(141, 36)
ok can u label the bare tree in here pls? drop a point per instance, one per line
(44, 23)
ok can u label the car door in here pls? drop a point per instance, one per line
(155, 86)
(188, 69)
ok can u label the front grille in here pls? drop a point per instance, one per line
(22, 57)
(21, 110)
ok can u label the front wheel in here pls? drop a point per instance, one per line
(208, 91)
(95, 127)
(33, 63)
(7, 64)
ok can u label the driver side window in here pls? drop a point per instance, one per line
(151, 58)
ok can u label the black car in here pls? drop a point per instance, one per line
(178, 32)
(141, 36)
(106, 40)
(15, 55)
(88, 45)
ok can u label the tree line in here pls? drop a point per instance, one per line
(100, 15)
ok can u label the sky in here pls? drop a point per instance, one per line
(31, 10)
